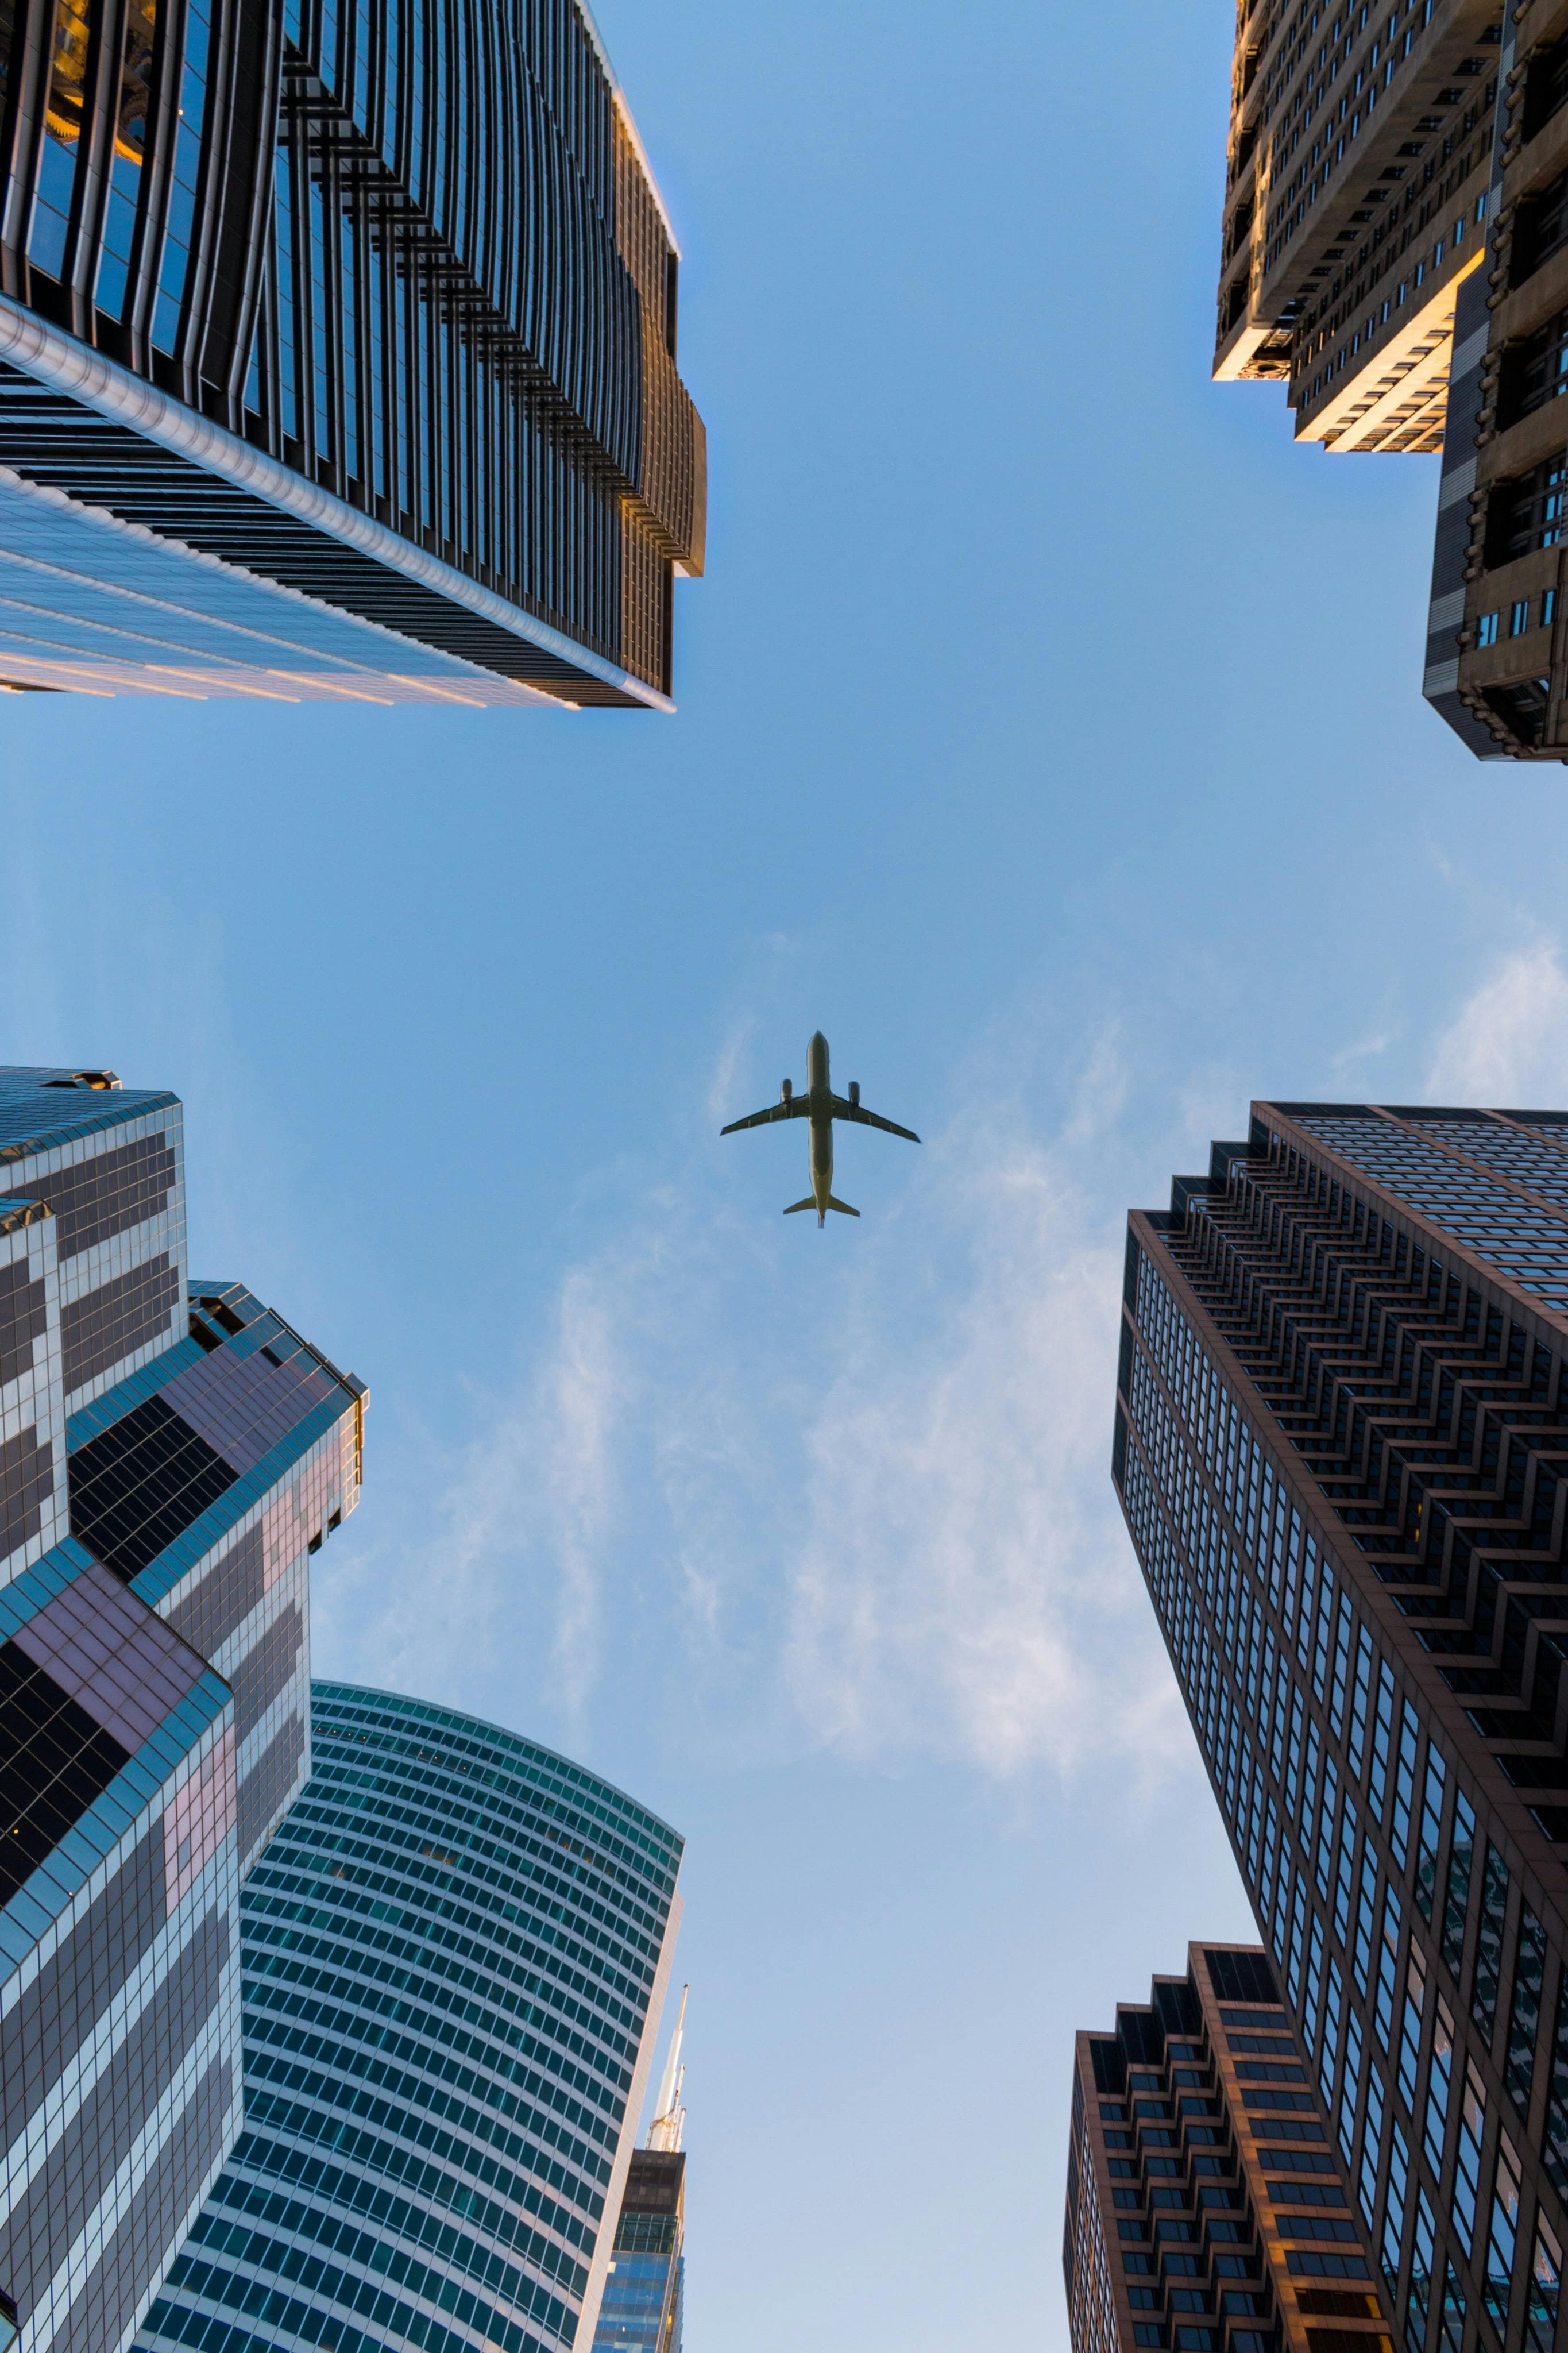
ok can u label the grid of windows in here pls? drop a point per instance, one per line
(448, 1965)
(412, 255)
(1204, 2206)
(1293, 1362)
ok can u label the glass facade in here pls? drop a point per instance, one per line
(454, 1950)
(364, 306)
(1337, 1444)
(641, 2312)
(170, 1455)
(1207, 2209)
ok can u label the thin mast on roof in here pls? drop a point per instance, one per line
(670, 2117)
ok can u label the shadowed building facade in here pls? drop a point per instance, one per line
(337, 356)
(454, 1950)
(1340, 1436)
(1358, 166)
(1496, 659)
(170, 1455)
(1205, 2210)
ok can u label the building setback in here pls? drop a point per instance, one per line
(1205, 2210)
(455, 1951)
(1358, 165)
(337, 356)
(170, 1455)
(1338, 1432)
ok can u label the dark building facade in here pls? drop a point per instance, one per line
(1496, 656)
(1339, 1436)
(1206, 2210)
(1357, 193)
(454, 1951)
(171, 1454)
(337, 355)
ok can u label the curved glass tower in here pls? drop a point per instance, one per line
(337, 356)
(454, 1952)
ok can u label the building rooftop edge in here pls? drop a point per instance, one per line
(623, 109)
(461, 1715)
(52, 357)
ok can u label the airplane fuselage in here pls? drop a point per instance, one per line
(820, 1095)
(819, 1107)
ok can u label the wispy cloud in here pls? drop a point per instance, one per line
(861, 1504)
(1508, 1043)
(964, 1583)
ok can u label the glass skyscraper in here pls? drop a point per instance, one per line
(644, 2293)
(1203, 2207)
(337, 356)
(1340, 1436)
(455, 1949)
(171, 1454)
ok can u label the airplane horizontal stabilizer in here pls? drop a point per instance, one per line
(809, 1203)
(843, 1206)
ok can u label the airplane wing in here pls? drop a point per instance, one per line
(843, 1110)
(797, 1107)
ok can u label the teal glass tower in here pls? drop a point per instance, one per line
(453, 1955)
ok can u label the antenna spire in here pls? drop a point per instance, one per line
(670, 2117)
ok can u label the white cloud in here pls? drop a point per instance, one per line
(885, 1526)
(1507, 1044)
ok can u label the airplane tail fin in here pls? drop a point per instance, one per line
(809, 1203)
(843, 1206)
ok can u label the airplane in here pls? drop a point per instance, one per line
(821, 1106)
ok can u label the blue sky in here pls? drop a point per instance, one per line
(1050, 733)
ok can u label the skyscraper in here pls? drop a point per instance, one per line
(337, 356)
(454, 1950)
(644, 2288)
(1358, 165)
(170, 1455)
(1338, 1441)
(1204, 2208)
(1497, 659)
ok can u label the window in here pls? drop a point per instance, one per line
(1488, 1942)
(1526, 513)
(1431, 1833)
(1524, 2008)
(1486, 629)
(1438, 2079)
(1394, 2218)
(1545, 2290)
(1542, 228)
(1410, 2030)
(1457, 1897)
(1534, 370)
(1503, 2233)
(1418, 2302)
(1519, 618)
(1468, 2167)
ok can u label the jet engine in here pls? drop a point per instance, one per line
(786, 1090)
(854, 1091)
